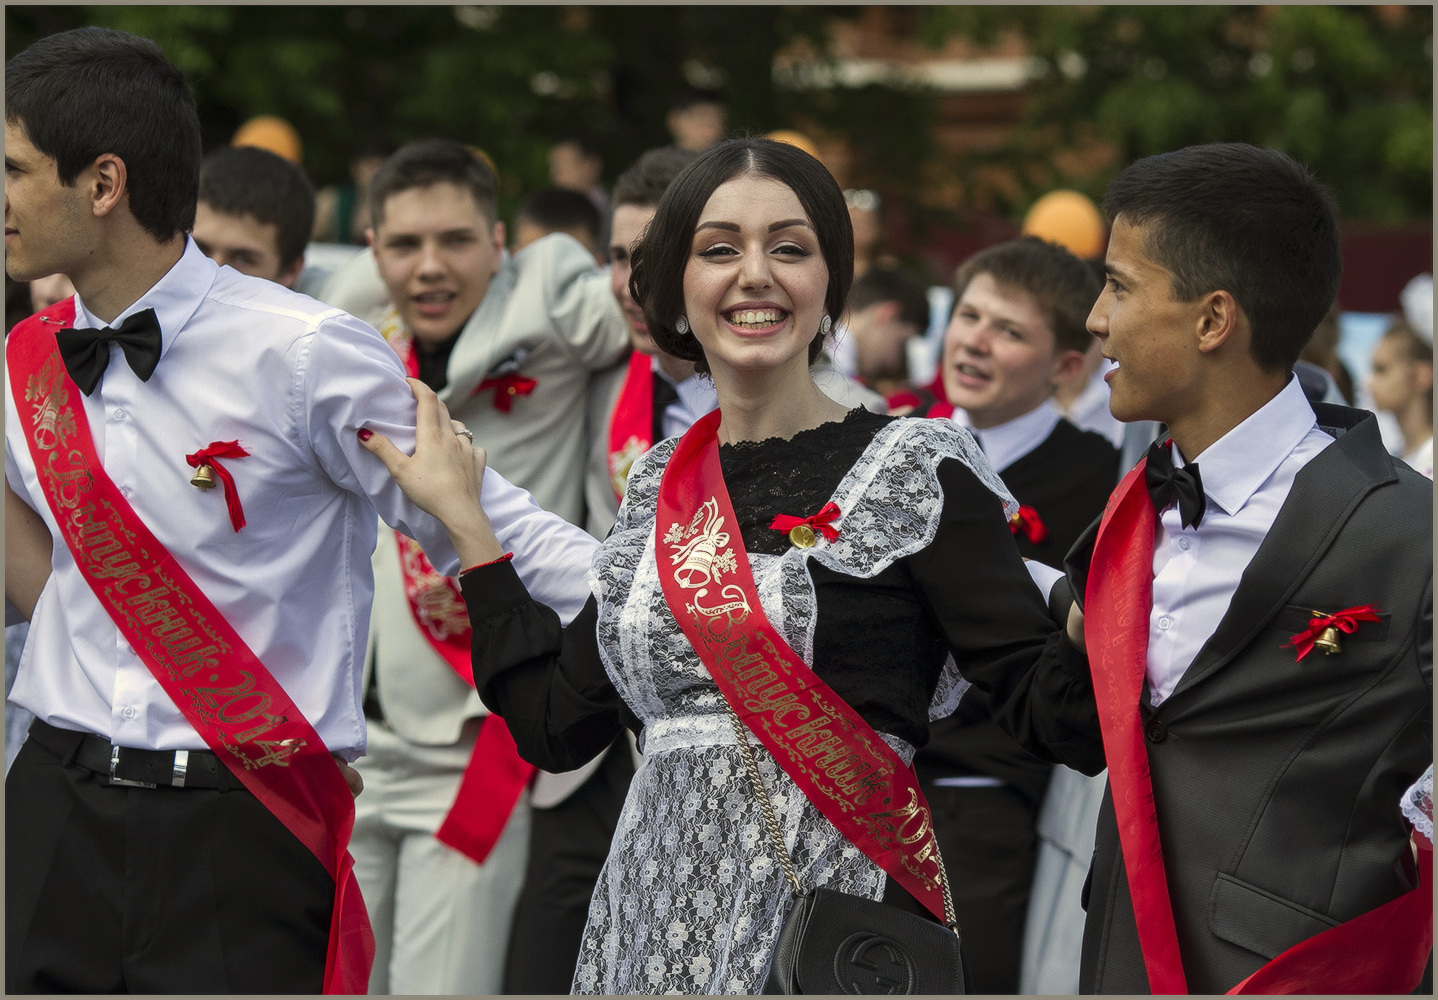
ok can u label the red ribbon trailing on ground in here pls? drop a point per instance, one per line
(506, 387)
(1027, 520)
(210, 455)
(822, 522)
(1345, 621)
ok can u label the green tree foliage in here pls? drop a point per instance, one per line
(1347, 90)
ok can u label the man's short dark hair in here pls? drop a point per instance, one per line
(1061, 285)
(559, 210)
(687, 97)
(1252, 222)
(80, 94)
(890, 283)
(246, 180)
(425, 162)
(645, 181)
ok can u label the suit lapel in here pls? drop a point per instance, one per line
(1324, 495)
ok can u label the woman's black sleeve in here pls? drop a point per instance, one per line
(545, 680)
(999, 629)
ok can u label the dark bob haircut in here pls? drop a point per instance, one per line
(80, 94)
(1252, 222)
(661, 258)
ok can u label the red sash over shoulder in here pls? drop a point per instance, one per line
(846, 770)
(201, 662)
(495, 776)
(631, 426)
(1381, 951)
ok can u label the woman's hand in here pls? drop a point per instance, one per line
(443, 476)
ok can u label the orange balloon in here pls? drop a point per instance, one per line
(1070, 219)
(794, 138)
(272, 133)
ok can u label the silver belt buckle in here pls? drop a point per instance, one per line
(114, 760)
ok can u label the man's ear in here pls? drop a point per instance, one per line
(1068, 368)
(291, 274)
(106, 183)
(498, 239)
(1424, 375)
(1219, 320)
(369, 237)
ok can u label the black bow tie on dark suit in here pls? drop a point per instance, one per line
(87, 352)
(1165, 483)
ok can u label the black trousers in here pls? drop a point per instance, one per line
(111, 889)
(989, 844)
(567, 847)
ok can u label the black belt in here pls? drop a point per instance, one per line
(132, 767)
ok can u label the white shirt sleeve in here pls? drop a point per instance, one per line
(551, 555)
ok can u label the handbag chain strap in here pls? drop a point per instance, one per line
(746, 750)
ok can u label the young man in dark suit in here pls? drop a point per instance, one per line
(1016, 334)
(1259, 629)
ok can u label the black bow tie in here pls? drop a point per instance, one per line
(87, 352)
(1165, 483)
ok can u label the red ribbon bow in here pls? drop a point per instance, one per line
(210, 455)
(506, 387)
(1345, 621)
(821, 522)
(1028, 521)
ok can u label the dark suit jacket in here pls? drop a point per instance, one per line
(1277, 782)
(1067, 478)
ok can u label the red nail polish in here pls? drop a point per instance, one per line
(365, 433)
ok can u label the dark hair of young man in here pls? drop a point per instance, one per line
(888, 283)
(646, 180)
(657, 280)
(246, 180)
(1063, 286)
(687, 97)
(1252, 222)
(83, 93)
(559, 210)
(426, 162)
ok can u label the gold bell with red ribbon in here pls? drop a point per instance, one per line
(1328, 641)
(204, 478)
(803, 536)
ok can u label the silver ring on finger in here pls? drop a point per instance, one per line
(467, 433)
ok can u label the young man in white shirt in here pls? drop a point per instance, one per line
(1015, 336)
(167, 621)
(1264, 676)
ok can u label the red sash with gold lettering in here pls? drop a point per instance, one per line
(631, 426)
(201, 662)
(838, 761)
(1381, 951)
(496, 775)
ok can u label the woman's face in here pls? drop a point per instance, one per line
(1396, 377)
(755, 283)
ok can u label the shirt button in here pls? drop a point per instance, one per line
(128, 712)
(1165, 622)
(1184, 544)
(120, 414)
(125, 491)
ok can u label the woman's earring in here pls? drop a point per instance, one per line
(681, 326)
(825, 325)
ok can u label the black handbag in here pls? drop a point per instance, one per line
(838, 943)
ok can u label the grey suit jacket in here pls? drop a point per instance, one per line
(1277, 782)
(550, 310)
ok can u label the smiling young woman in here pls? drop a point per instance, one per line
(782, 541)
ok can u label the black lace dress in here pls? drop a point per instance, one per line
(924, 572)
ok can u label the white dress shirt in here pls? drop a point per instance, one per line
(1247, 475)
(1010, 441)
(292, 381)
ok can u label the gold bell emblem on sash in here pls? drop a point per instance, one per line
(803, 536)
(1328, 641)
(204, 478)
